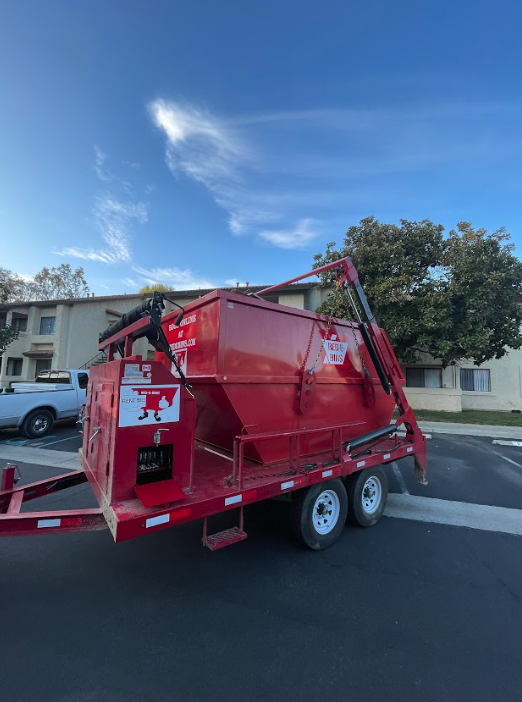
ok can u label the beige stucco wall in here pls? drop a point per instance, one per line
(440, 399)
(296, 300)
(506, 385)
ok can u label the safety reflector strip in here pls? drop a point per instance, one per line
(233, 500)
(289, 484)
(327, 473)
(361, 464)
(154, 521)
(42, 523)
(409, 450)
(386, 455)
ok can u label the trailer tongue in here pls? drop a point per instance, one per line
(246, 400)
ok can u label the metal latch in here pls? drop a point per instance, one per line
(157, 436)
(96, 431)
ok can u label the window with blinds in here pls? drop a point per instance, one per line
(424, 377)
(475, 379)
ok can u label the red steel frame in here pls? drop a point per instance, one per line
(340, 461)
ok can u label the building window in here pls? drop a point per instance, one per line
(42, 364)
(3, 319)
(19, 324)
(424, 377)
(47, 325)
(14, 366)
(475, 379)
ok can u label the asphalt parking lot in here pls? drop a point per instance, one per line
(406, 610)
(63, 437)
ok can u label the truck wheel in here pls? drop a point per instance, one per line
(319, 514)
(37, 423)
(367, 495)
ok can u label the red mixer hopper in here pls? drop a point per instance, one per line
(246, 360)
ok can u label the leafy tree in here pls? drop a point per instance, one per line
(453, 297)
(7, 335)
(155, 286)
(58, 283)
(11, 286)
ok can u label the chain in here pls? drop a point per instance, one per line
(359, 349)
(308, 348)
(337, 291)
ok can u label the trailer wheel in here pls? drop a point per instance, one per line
(367, 495)
(37, 423)
(319, 514)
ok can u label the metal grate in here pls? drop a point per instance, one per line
(224, 538)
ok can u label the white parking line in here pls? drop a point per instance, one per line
(400, 478)
(505, 442)
(463, 514)
(505, 458)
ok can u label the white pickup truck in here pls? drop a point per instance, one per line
(33, 407)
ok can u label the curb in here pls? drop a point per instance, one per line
(68, 460)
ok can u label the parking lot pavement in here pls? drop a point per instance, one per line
(63, 437)
(466, 469)
(406, 610)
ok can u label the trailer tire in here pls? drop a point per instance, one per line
(367, 495)
(319, 514)
(38, 423)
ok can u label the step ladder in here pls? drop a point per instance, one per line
(224, 538)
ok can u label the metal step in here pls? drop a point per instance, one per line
(224, 538)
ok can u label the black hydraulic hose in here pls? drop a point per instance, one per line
(364, 439)
(127, 319)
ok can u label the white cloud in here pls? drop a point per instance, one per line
(115, 220)
(207, 150)
(232, 282)
(178, 278)
(132, 283)
(298, 238)
(100, 157)
(269, 171)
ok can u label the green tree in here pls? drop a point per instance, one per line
(453, 297)
(155, 286)
(58, 283)
(8, 284)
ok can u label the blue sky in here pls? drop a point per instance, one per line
(200, 143)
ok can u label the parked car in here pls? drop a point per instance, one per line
(33, 407)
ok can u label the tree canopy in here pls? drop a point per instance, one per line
(57, 283)
(7, 335)
(453, 297)
(155, 286)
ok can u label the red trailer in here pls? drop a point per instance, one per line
(246, 400)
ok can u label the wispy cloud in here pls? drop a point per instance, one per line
(115, 220)
(178, 278)
(206, 149)
(298, 238)
(275, 173)
(100, 159)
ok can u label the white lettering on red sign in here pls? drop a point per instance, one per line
(335, 351)
(182, 338)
